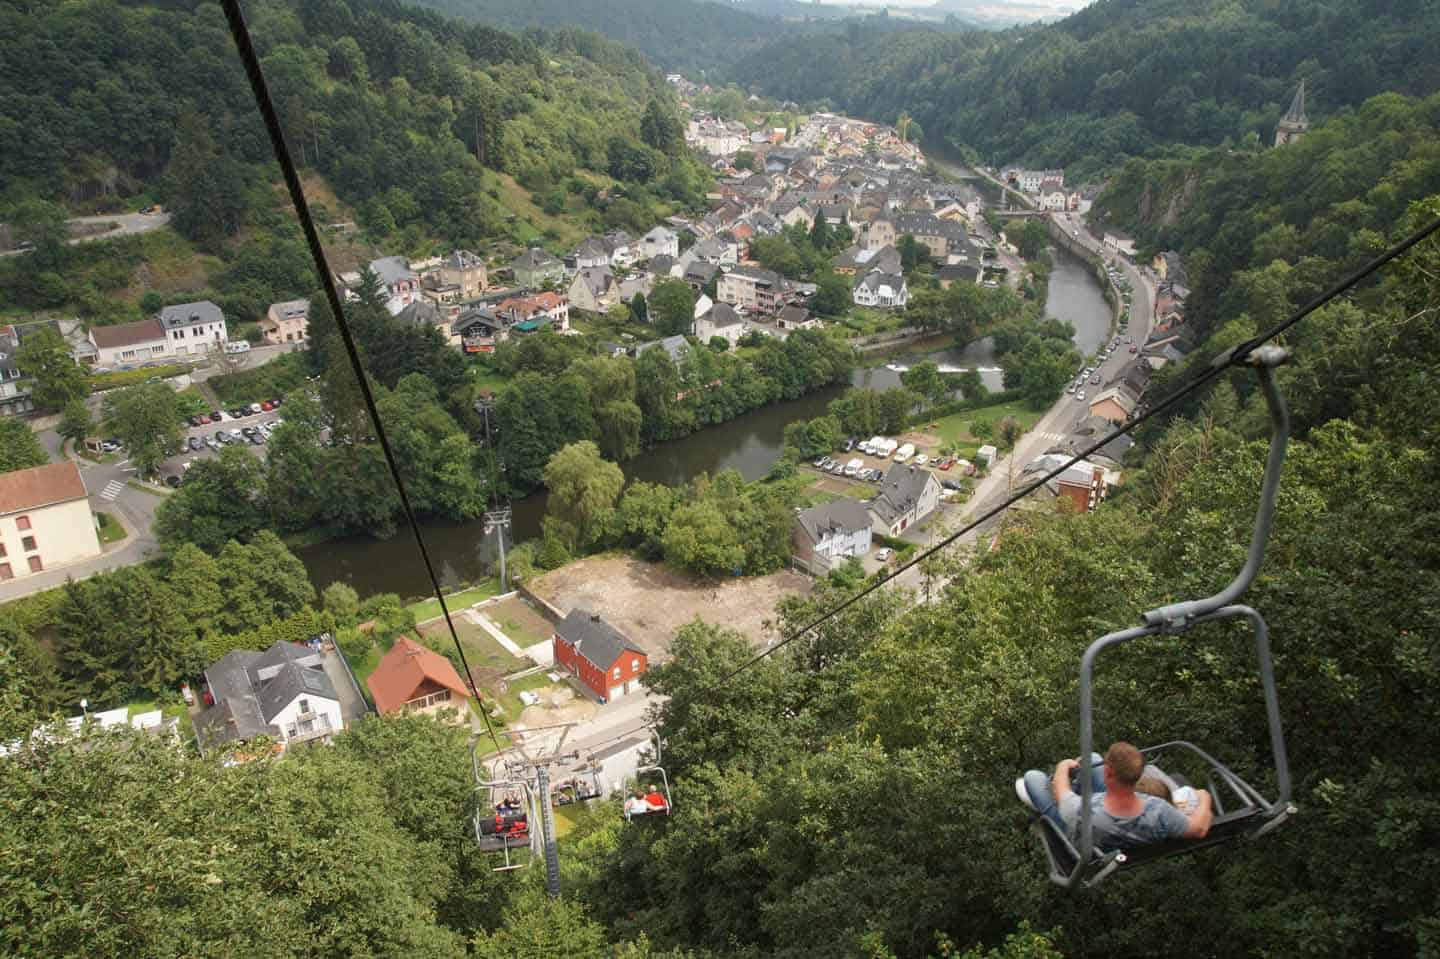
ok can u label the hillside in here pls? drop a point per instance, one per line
(428, 132)
(697, 37)
(1119, 78)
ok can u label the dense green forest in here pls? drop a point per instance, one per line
(697, 37)
(416, 122)
(1120, 78)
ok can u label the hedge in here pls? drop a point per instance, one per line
(296, 629)
(118, 378)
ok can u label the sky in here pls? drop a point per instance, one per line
(1055, 6)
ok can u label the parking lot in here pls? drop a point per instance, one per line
(205, 435)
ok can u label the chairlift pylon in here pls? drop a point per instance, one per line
(1239, 809)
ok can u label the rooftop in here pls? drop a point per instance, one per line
(404, 669)
(40, 486)
(593, 638)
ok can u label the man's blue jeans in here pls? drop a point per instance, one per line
(1042, 796)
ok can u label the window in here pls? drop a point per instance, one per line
(6, 572)
(304, 705)
(2, 549)
(28, 543)
(634, 665)
(128, 355)
(35, 564)
(22, 522)
(617, 672)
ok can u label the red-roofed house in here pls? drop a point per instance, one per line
(412, 677)
(45, 520)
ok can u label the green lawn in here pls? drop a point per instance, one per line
(110, 529)
(510, 701)
(481, 650)
(364, 667)
(954, 430)
(430, 608)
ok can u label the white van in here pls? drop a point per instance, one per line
(237, 346)
(854, 466)
(904, 452)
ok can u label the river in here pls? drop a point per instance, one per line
(462, 552)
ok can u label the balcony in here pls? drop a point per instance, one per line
(309, 726)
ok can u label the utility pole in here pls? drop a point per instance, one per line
(497, 519)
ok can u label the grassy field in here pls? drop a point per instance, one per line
(110, 529)
(510, 700)
(955, 429)
(430, 608)
(481, 651)
(531, 222)
(520, 622)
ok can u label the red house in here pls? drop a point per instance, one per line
(607, 663)
(411, 677)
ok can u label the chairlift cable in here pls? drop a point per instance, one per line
(1220, 364)
(248, 58)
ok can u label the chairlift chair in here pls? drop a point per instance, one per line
(496, 831)
(1240, 811)
(655, 767)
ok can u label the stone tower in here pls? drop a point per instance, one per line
(1294, 123)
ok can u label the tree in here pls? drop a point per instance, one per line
(261, 581)
(821, 236)
(971, 385)
(192, 579)
(218, 502)
(371, 291)
(744, 160)
(661, 129)
(583, 489)
(341, 601)
(912, 252)
(76, 422)
(639, 311)
(145, 419)
(834, 296)
(672, 307)
(45, 356)
(1033, 238)
(19, 449)
(924, 380)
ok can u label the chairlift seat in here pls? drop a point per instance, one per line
(1249, 815)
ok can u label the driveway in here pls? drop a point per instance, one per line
(125, 224)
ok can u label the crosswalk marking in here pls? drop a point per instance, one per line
(112, 490)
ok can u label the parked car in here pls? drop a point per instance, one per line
(267, 406)
(173, 482)
(820, 463)
(212, 443)
(223, 438)
(883, 555)
(849, 444)
(1080, 396)
(239, 412)
(1095, 379)
(249, 430)
(109, 446)
(947, 462)
(194, 444)
(952, 484)
(237, 346)
(1134, 348)
(257, 438)
(921, 460)
(275, 402)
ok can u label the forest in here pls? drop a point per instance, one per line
(1117, 79)
(696, 37)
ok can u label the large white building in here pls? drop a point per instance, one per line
(45, 520)
(192, 328)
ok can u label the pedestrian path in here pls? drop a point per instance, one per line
(483, 621)
(112, 490)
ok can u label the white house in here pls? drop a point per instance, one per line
(883, 290)
(283, 693)
(825, 535)
(720, 320)
(192, 328)
(908, 495)
(45, 520)
(402, 284)
(127, 344)
(659, 242)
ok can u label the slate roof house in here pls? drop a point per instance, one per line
(826, 534)
(535, 267)
(283, 693)
(412, 678)
(908, 495)
(606, 663)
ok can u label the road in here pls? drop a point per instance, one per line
(1060, 420)
(126, 224)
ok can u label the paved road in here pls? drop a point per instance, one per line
(126, 224)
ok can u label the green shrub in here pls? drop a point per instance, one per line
(118, 378)
(276, 378)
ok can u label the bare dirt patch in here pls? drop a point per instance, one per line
(648, 602)
(921, 440)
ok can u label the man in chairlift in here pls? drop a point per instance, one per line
(1121, 817)
(655, 800)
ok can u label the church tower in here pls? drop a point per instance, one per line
(1294, 123)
